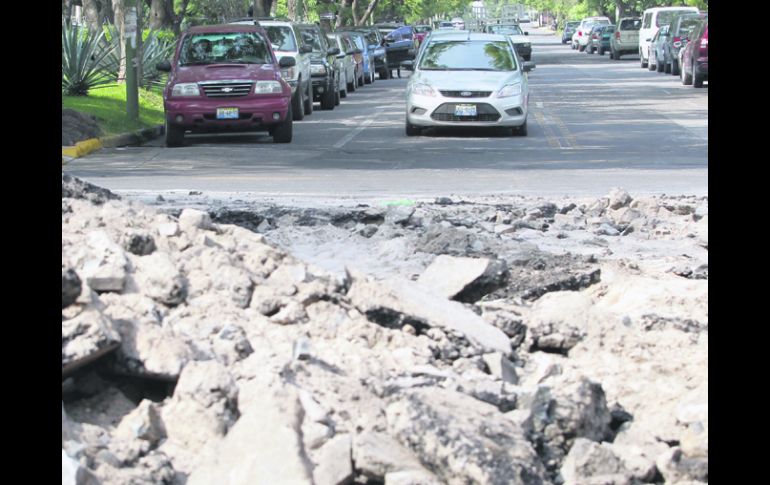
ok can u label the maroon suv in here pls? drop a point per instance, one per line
(226, 78)
(695, 57)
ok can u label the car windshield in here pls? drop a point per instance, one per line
(666, 16)
(468, 55)
(421, 29)
(687, 25)
(228, 47)
(506, 29)
(631, 24)
(282, 38)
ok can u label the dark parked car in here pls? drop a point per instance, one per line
(680, 30)
(695, 57)
(226, 78)
(399, 44)
(600, 39)
(569, 29)
(324, 66)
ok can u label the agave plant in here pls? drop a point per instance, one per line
(82, 60)
(155, 48)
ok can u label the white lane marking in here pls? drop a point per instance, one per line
(358, 130)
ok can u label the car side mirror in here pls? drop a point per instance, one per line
(305, 49)
(648, 40)
(341, 55)
(287, 61)
(408, 65)
(526, 33)
(163, 66)
(351, 52)
(358, 51)
(528, 66)
(333, 51)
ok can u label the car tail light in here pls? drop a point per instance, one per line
(596, 36)
(704, 47)
(617, 35)
(580, 33)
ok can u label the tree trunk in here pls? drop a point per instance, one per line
(262, 8)
(179, 18)
(159, 16)
(291, 6)
(68, 12)
(91, 13)
(106, 12)
(369, 10)
(118, 8)
(139, 56)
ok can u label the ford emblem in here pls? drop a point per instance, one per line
(465, 93)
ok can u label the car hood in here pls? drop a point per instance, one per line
(217, 72)
(519, 39)
(466, 80)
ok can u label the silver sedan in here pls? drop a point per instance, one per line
(467, 79)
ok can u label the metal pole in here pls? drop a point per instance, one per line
(132, 88)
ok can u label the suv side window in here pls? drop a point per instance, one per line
(647, 21)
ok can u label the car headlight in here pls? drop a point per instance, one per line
(186, 89)
(317, 69)
(288, 74)
(268, 87)
(510, 90)
(423, 90)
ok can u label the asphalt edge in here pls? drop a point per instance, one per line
(83, 148)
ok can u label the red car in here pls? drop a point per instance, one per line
(695, 57)
(226, 78)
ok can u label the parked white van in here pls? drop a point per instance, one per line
(652, 20)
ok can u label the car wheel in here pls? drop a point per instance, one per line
(581, 48)
(686, 76)
(309, 100)
(329, 98)
(674, 67)
(601, 51)
(412, 130)
(650, 65)
(384, 73)
(297, 105)
(667, 67)
(282, 132)
(174, 135)
(372, 76)
(352, 85)
(361, 79)
(697, 79)
(641, 60)
(368, 78)
(520, 130)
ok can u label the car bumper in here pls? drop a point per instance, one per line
(438, 111)
(200, 114)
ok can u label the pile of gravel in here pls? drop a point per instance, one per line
(194, 350)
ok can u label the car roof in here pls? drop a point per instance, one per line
(236, 27)
(277, 23)
(468, 35)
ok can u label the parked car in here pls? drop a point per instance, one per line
(625, 40)
(400, 46)
(285, 42)
(656, 57)
(593, 38)
(226, 78)
(695, 57)
(580, 38)
(467, 79)
(519, 38)
(445, 24)
(602, 43)
(324, 66)
(681, 27)
(652, 20)
(367, 55)
(348, 67)
(420, 32)
(569, 29)
(376, 42)
(458, 23)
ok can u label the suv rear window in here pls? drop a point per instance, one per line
(666, 16)
(630, 24)
(281, 37)
(229, 47)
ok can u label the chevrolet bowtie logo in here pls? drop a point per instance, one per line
(227, 90)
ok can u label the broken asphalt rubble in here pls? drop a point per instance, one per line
(518, 343)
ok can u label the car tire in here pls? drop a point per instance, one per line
(282, 132)
(667, 67)
(368, 78)
(697, 78)
(686, 77)
(329, 98)
(309, 100)
(174, 135)
(580, 48)
(641, 60)
(384, 73)
(361, 80)
(520, 130)
(297, 105)
(674, 67)
(650, 65)
(659, 66)
(601, 51)
(352, 85)
(412, 130)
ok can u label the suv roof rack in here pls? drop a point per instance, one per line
(246, 19)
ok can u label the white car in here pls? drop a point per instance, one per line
(581, 36)
(458, 23)
(652, 20)
(467, 79)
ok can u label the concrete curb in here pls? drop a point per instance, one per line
(83, 148)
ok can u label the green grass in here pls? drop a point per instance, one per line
(108, 104)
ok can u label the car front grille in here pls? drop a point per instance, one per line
(459, 94)
(484, 112)
(227, 89)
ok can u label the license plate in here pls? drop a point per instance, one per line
(465, 110)
(227, 113)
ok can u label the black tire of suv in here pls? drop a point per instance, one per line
(309, 100)
(581, 48)
(337, 97)
(368, 79)
(612, 54)
(601, 51)
(674, 67)
(641, 60)
(361, 79)
(174, 135)
(297, 105)
(686, 76)
(282, 132)
(384, 73)
(412, 130)
(697, 79)
(329, 98)
(520, 130)
(650, 65)
(667, 68)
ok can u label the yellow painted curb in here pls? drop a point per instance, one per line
(81, 148)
